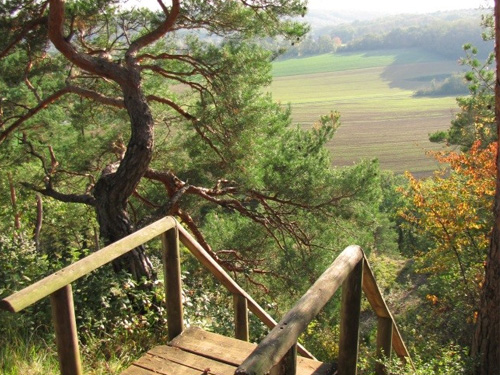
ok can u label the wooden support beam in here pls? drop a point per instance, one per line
(173, 284)
(63, 317)
(240, 317)
(376, 300)
(384, 343)
(289, 362)
(349, 321)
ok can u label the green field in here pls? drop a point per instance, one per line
(373, 91)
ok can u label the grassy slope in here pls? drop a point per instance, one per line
(373, 92)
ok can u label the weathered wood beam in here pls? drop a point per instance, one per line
(63, 317)
(349, 321)
(279, 341)
(173, 283)
(376, 300)
(373, 293)
(240, 317)
(43, 288)
(220, 274)
(384, 343)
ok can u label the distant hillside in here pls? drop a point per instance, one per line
(364, 23)
(374, 91)
(441, 32)
(321, 19)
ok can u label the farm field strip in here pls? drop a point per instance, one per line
(380, 117)
(351, 60)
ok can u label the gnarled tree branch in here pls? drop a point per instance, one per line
(157, 33)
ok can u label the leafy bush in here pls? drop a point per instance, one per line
(451, 86)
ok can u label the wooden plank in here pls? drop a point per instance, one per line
(234, 352)
(220, 274)
(63, 317)
(373, 293)
(399, 345)
(164, 366)
(135, 370)
(306, 366)
(376, 300)
(173, 285)
(35, 292)
(272, 349)
(191, 360)
(212, 345)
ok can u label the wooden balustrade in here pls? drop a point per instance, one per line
(173, 283)
(276, 353)
(63, 317)
(220, 274)
(351, 270)
(241, 330)
(349, 319)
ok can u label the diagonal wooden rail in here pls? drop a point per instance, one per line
(349, 268)
(352, 271)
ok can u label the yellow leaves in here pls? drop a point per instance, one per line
(453, 209)
(474, 317)
(432, 298)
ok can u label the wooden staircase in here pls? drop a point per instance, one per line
(193, 351)
(197, 352)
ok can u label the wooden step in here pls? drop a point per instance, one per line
(197, 352)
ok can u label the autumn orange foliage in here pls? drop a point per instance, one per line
(453, 209)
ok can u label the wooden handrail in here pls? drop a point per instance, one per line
(59, 283)
(48, 285)
(279, 345)
(273, 349)
(377, 302)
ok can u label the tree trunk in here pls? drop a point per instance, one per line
(486, 341)
(115, 187)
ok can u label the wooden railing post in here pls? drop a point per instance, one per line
(288, 364)
(240, 317)
(384, 343)
(173, 287)
(349, 321)
(63, 316)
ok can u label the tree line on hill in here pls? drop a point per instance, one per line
(441, 33)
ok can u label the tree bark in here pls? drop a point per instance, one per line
(39, 221)
(486, 341)
(113, 188)
(13, 200)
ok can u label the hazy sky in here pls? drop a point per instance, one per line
(400, 6)
(382, 6)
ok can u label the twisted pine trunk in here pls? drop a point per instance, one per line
(114, 188)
